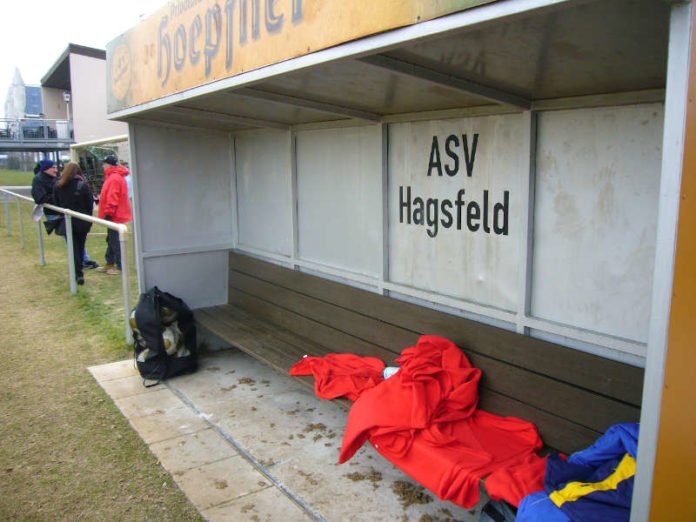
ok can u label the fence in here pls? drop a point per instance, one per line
(69, 215)
(23, 129)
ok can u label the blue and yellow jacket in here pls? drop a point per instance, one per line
(593, 485)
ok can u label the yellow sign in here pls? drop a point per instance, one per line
(188, 43)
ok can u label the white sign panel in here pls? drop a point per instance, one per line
(339, 195)
(454, 207)
(597, 193)
(264, 192)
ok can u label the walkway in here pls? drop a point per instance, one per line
(246, 443)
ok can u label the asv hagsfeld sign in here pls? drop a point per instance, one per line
(475, 215)
(454, 206)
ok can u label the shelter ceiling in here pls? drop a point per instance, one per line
(578, 49)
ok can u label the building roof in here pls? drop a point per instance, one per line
(58, 75)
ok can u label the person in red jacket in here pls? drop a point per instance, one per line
(114, 205)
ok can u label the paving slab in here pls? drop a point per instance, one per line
(166, 424)
(245, 442)
(154, 400)
(126, 387)
(214, 484)
(115, 370)
(268, 505)
(186, 452)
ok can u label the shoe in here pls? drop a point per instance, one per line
(105, 268)
(80, 280)
(89, 265)
(113, 271)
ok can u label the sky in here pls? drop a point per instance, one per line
(36, 32)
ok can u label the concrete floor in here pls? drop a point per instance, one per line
(245, 442)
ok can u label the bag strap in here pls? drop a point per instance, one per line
(162, 375)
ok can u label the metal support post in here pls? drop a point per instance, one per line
(21, 223)
(6, 201)
(125, 280)
(71, 254)
(42, 255)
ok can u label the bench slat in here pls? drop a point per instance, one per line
(374, 331)
(600, 375)
(278, 315)
(259, 340)
(556, 432)
(333, 339)
(584, 407)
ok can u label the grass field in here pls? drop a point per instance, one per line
(98, 289)
(67, 453)
(15, 177)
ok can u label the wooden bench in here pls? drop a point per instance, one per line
(278, 315)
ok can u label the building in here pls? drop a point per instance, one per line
(73, 89)
(69, 107)
(23, 101)
(24, 131)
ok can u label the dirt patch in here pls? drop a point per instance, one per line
(321, 429)
(221, 484)
(308, 477)
(246, 380)
(315, 427)
(410, 494)
(445, 515)
(374, 476)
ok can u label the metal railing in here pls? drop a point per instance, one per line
(22, 130)
(69, 215)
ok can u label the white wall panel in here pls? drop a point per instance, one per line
(88, 101)
(200, 279)
(339, 191)
(264, 192)
(461, 244)
(598, 174)
(183, 184)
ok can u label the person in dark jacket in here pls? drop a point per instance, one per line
(42, 191)
(72, 192)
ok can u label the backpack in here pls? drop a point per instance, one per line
(164, 337)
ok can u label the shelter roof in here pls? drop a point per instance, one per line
(501, 56)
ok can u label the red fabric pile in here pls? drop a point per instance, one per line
(425, 420)
(341, 374)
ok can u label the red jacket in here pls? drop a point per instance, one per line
(113, 200)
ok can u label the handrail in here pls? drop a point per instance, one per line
(122, 237)
(31, 130)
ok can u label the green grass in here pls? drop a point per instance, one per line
(67, 453)
(15, 178)
(102, 295)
